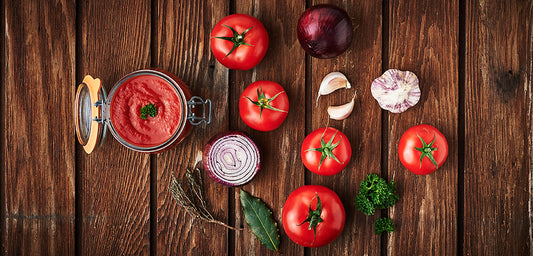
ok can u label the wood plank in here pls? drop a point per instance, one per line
(182, 37)
(282, 170)
(38, 166)
(361, 63)
(2, 125)
(423, 38)
(115, 181)
(498, 116)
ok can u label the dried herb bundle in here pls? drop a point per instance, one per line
(189, 194)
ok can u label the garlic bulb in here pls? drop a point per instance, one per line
(332, 82)
(343, 111)
(396, 90)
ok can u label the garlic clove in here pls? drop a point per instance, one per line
(343, 111)
(332, 82)
(396, 91)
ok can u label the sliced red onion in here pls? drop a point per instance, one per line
(231, 158)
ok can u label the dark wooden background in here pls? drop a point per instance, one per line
(474, 59)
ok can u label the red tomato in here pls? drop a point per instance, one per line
(263, 105)
(423, 149)
(239, 41)
(326, 219)
(326, 151)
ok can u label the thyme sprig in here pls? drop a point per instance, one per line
(188, 192)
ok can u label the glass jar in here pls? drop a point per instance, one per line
(175, 111)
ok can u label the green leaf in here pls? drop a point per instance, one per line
(259, 218)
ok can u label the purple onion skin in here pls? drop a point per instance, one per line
(206, 160)
(325, 31)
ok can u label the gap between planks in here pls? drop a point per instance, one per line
(384, 113)
(153, 162)
(2, 127)
(77, 148)
(461, 126)
(231, 191)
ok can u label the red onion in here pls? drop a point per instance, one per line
(231, 158)
(325, 31)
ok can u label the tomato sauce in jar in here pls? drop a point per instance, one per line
(173, 111)
(136, 93)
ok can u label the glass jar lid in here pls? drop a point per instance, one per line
(90, 126)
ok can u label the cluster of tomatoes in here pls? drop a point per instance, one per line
(312, 216)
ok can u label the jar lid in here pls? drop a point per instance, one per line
(90, 125)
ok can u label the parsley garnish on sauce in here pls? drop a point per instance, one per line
(148, 110)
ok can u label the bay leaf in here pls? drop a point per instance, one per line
(259, 218)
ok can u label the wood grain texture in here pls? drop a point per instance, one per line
(281, 170)
(423, 38)
(115, 181)
(361, 63)
(182, 37)
(39, 151)
(3, 95)
(498, 116)
(56, 200)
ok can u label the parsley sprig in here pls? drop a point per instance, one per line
(148, 110)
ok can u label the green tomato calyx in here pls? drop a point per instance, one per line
(264, 102)
(427, 151)
(314, 216)
(237, 39)
(326, 149)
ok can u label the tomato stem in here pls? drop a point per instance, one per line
(264, 102)
(314, 216)
(427, 151)
(326, 149)
(237, 39)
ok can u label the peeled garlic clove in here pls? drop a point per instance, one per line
(396, 90)
(343, 111)
(332, 82)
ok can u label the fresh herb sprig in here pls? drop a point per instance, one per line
(383, 224)
(375, 193)
(148, 110)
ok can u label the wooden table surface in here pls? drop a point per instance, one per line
(474, 59)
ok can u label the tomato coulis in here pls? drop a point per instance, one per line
(135, 93)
